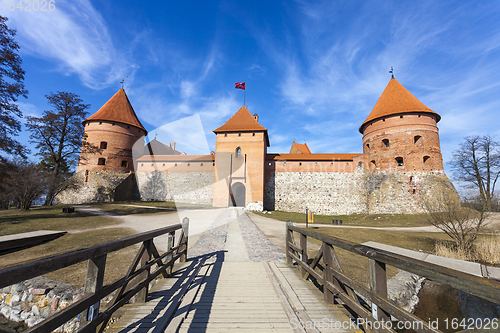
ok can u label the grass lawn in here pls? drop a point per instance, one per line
(379, 220)
(14, 221)
(116, 265)
(125, 207)
(357, 266)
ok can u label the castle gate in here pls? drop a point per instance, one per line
(237, 195)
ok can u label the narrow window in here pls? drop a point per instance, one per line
(386, 142)
(416, 139)
(142, 164)
(368, 145)
(225, 135)
(104, 145)
(124, 164)
(189, 164)
(175, 164)
(238, 152)
(412, 180)
(399, 161)
(269, 163)
(360, 164)
(213, 164)
(86, 176)
(300, 163)
(101, 161)
(163, 164)
(152, 164)
(374, 164)
(239, 134)
(400, 116)
(201, 164)
(253, 134)
(426, 158)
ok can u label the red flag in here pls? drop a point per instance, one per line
(240, 85)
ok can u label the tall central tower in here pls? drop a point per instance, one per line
(240, 153)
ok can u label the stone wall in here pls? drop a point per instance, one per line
(99, 187)
(325, 193)
(331, 193)
(193, 187)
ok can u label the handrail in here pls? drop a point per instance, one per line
(135, 282)
(335, 282)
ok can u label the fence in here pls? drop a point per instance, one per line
(336, 283)
(135, 282)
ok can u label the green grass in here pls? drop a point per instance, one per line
(14, 221)
(378, 220)
(116, 265)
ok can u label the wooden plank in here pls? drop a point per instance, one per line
(315, 262)
(24, 239)
(93, 284)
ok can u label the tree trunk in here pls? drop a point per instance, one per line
(52, 185)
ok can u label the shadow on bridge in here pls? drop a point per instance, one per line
(195, 281)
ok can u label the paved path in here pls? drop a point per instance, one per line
(242, 285)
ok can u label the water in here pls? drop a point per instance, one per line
(454, 310)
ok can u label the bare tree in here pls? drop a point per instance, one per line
(477, 163)
(462, 221)
(26, 183)
(58, 135)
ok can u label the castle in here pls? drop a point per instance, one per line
(401, 156)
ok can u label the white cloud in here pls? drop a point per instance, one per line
(75, 36)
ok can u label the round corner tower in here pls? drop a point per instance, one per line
(401, 133)
(113, 130)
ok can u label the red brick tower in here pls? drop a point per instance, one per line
(114, 129)
(401, 133)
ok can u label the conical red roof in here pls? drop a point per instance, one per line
(118, 109)
(396, 99)
(241, 121)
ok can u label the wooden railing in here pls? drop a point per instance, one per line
(336, 283)
(135, 282)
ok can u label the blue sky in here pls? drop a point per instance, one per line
(313, 70)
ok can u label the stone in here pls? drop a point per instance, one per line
(16, 298)
(64, 304)
(14, 317)
(35, 311)
(39, 291)
(77, 298)
(32, 321)
(54, 303)
(5, 311)
(25, 315)
(24, 297)
(45, 314)
(43, 302)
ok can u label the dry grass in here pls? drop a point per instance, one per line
(486, 250)
(14, 221)
(116, 264)
(133, 207)
(377, 220)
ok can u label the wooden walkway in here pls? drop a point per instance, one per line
(216, 294)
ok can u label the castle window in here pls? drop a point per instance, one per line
(238, 152)
(386, 142)
(128, 126)
(225, 135)
(163, 164)
(152, 164)
(412, 180)
(253, 134)
(284, 163)
(103, 145)
(360, 164)
(368, 145)
(124, 164)
(416, 139)
(399, 161)
(400, 116)
(374, 164)
(213, 164)
(189, 164)
(175, 164)
(269, 163)
(86, 176)
(426, 158)
(100, 123)
(101, 161)
(142, 164)
(239, 134)
(201, 164)
(300, 163)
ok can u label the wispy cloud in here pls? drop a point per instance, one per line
(75, 38)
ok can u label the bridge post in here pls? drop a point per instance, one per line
(303, 256)
(289, 235)
(185, 233)
(170, 245)
(327, 273)
(142, 295)
(93, 283)
(378, 286)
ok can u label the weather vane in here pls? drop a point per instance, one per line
(123, 80)
(392, 72)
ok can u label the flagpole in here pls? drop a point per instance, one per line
(244, 97)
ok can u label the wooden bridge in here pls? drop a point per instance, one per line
(236, 281)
